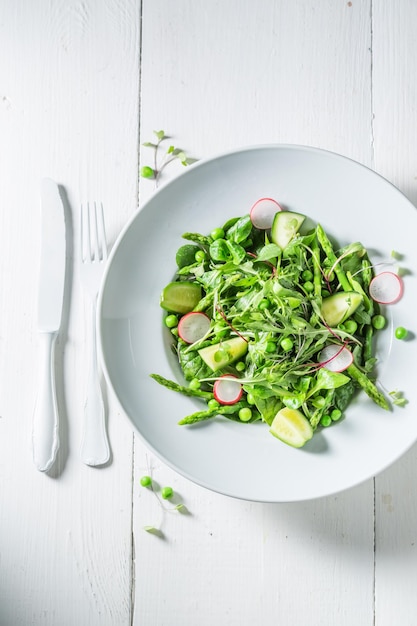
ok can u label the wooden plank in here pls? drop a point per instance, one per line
(395, 122)
(218, 76)
(68, 110)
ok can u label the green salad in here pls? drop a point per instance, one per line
(272, 322)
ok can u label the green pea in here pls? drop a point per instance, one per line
(287, 344)
(250, 399)
(213, 404)
(401, 332)
(167, 492)
(350, 326)
(146, 481)
(271, 346)
(194, 384)
(336, 414)
(308, 286)
(307, 275)
(171, 321)
(326, 420)
(264, 304)
(245, 414)
(240, 366)
(217, 233)
(378, 322)
(200, 256)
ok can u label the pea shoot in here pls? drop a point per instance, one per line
(168, 156)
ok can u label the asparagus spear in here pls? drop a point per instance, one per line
(316, 267)
(330, 254)
(197, 238)
(205, 415)
(368, 386)
(170, 384)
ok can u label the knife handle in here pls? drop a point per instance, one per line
(45, 420)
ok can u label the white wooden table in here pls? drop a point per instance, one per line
(83, 83)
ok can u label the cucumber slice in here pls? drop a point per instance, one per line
(337, 308)
(224, 353)
(181, 297)
(291, 427)
(285, 226)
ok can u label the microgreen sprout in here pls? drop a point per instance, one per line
(161, 157)
(162, 495)
(397, 398)
(153, 530)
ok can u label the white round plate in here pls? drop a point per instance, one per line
(245, 460)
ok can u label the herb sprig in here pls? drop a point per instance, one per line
(162, 157)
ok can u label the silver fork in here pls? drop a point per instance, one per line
(95, 446)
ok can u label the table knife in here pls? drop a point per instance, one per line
(50, 301)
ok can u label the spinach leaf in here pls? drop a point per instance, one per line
(240, 230)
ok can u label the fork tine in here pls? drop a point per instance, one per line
(93, 232)
(85, 233)
(101, 231)
(94, 239)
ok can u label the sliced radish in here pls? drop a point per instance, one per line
(335, 357)
(227, 389)
(386, 288)
(263, 211)
(193, 326)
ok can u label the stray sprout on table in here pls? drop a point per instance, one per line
(162, 157)
(167, 493)
(397, 398)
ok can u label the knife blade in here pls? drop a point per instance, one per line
(50, 300)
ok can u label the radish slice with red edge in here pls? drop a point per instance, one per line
(386, 288)
(193, 326)
(335, 358)
(227, 389)
(263, 211)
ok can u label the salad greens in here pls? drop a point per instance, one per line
(275, 299)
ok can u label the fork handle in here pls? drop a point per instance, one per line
(45, 438)
(95, 446)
